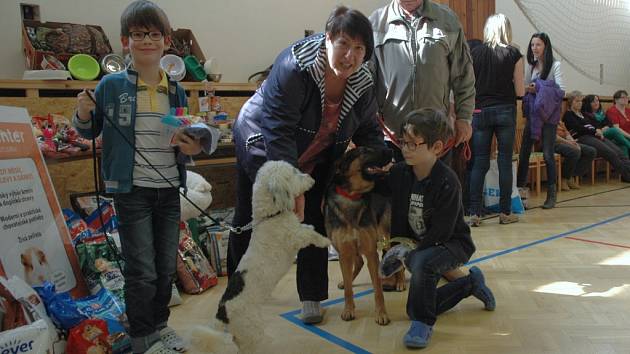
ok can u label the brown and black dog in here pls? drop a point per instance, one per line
(357, 217)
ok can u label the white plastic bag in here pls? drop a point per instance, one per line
(32, 338)
(491, 193)
(33, 306)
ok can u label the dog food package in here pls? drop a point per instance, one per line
(109, 218)
(193, 269)
(32, 305)
(89, 337)
(32, 338)
(85, 203)
(78, 227)
(101, 265)
(68, 313)
(215, 243)
(60, 306)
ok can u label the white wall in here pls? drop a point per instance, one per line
(522, 31)
(243, 35)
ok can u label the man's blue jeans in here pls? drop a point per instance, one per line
(499, 121)
(425, 301)
(548, 146)
(149, 236)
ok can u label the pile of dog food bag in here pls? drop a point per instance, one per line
(41, 320)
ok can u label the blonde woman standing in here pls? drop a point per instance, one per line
(499, 80)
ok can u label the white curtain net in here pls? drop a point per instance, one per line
(593, 36)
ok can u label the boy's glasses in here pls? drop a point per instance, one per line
(410, 145)
(140, 35)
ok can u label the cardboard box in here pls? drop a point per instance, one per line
(35, 56)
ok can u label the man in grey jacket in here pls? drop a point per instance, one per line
(420, 56)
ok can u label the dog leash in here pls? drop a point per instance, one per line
(237, 230)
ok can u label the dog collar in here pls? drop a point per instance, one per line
(352, 196)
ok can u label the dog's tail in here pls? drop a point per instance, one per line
(211, 339)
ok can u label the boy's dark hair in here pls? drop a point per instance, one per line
(144, 13)
(618, 94)
(430, 124)
(354, 24)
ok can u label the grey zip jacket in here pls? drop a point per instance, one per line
(417, 62)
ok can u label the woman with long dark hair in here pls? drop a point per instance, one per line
(541, 65)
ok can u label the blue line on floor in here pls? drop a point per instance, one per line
(292, 316)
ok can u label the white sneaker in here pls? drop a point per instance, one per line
(172, 340)
(159, 348)
(332, 253)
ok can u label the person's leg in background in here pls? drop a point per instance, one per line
(312, 262)
(238, 243)
(523, 156)
(571, 155)
(616, 136)
(481, 142)
(587, 154)
(505, 128)
(610, 152)
(548, 143)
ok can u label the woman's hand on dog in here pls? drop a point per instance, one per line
(380, 170)
(299, 207)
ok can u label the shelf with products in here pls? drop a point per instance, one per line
(74, 173)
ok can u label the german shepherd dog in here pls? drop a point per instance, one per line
(357, 215)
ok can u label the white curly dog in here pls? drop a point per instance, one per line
(277, 236)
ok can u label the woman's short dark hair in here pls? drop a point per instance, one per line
(144, 13)
(430, 124)
(586, 104)
(547, 54)
(618, 94)
(353, 23)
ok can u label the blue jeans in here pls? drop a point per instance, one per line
(548, 146)
(149, 237)
(499, 121)
(425, 301)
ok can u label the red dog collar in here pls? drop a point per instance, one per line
(352, 196)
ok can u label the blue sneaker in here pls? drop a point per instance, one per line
(418, 335)
(481, 290)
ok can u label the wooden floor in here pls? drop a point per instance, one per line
(561, 278)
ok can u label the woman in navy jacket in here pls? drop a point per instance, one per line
(318, 97)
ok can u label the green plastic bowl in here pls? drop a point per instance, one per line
(83, 67)
(194, 68)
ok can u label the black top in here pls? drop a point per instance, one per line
(577, 125)
(494, 74)
(442, 209)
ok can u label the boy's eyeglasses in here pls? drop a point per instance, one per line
(410, 145)
(140, 35)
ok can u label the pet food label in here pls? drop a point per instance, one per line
(35, 243)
